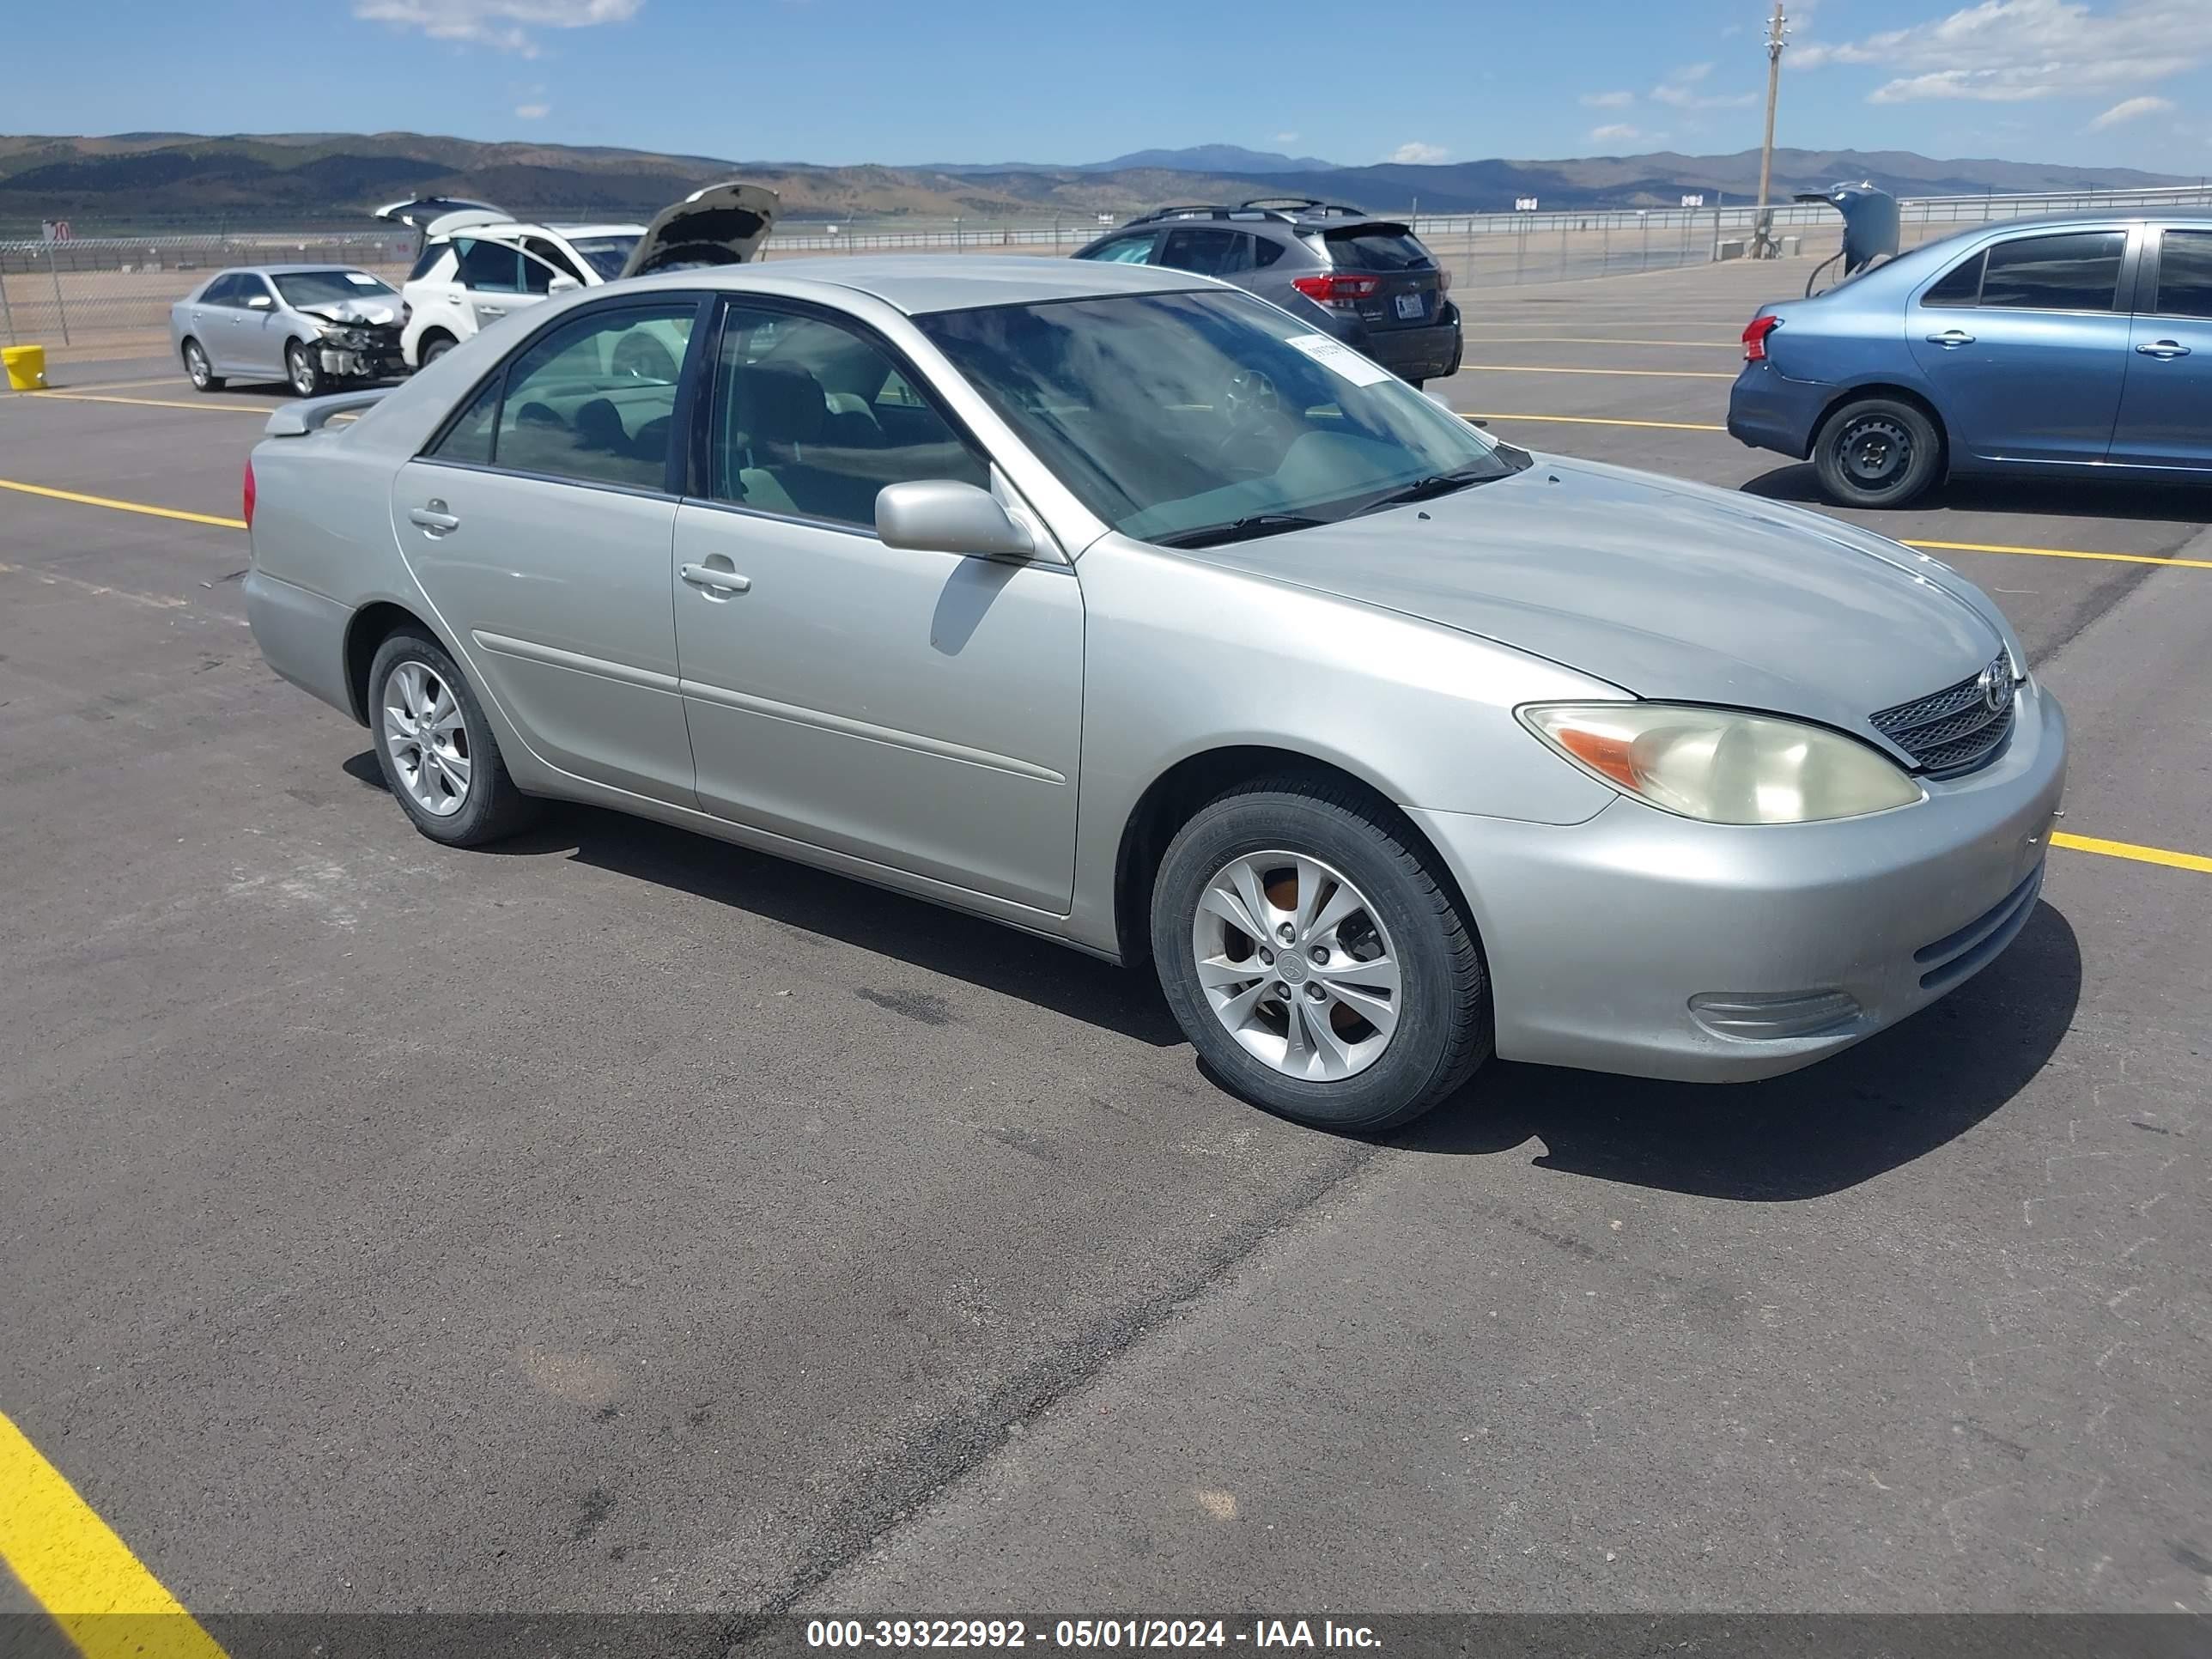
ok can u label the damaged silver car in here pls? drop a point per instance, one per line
(312, 326)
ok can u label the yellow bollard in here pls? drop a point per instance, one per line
(27, 366)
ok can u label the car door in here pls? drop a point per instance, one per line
(214, 322)
(2024, 345)
(921, 711)
(538, 523)
(2165, 410)
(496, 277)
(261, 335)
(1208, 252)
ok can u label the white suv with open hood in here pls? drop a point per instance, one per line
(479, 262)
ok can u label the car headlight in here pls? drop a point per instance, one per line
(1723, 766)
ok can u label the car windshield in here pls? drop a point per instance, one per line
(1194, 417)
(607, 254)
(302, 289)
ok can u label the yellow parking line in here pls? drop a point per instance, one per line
(1648, 374)
(150, 403)
(124, 506)
(120, 386)
(1594, 420)
(76, 1568)
(2060, 553)
(2124, 849)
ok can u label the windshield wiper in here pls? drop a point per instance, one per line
(1240, 530)
(1422, 489)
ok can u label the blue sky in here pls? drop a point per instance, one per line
(2094, 82)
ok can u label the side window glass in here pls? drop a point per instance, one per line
(1125, 251)
(1208, 253)
(538, 247)
(429, 261)
(1265, 253)
(595, 400)
(536, 276)
(2185, 274)
(488, 267)
(2078, 272)
(254, 294)
(222, 291)
(784, 442)
(469, 438)
(1961, 285)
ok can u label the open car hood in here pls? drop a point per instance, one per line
(718, 225)
(436, 215)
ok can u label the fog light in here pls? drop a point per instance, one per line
(1765, 1016)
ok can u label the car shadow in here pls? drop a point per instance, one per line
(2084, 498)
(1892, 1099)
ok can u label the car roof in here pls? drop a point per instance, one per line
(2122, 216)
(918, 284)
(282, 270)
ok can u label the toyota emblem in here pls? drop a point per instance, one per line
(1995, 684)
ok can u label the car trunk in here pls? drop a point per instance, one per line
(1409, 287)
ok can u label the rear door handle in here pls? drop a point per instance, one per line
(1951, 336)
(700, 575)
(434, 518)
(2164, 348)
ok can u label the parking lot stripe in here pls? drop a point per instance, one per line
(150, 403)
(2060, 553)
(1594, 420)
(2126, 849)
(1645, 374)
(124, 506)
(76, 1568)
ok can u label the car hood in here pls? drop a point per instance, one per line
(1667, 590)
(720, 225)
(373, 312)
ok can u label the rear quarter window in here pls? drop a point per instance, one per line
(426, 265)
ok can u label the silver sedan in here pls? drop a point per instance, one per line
(308, 326)
(1116, 605)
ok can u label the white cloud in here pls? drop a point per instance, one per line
(503, 24)
(2128, 109)
(1607, 99)
(533, 112)
(1286, 137)
(1419, 154)
(1619, 133)
(1679, 90)
(2015, 51)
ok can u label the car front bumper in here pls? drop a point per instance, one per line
(378, 361)
(1642, 943)
(1767, 409)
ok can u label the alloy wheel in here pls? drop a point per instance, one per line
(427, 738)
(1296, 963)
(196, 364)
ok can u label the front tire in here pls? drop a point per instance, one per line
(437, 752)
(302, 369)
(1314, 961)
(433, 347)
(198, 370)
(1877, 452)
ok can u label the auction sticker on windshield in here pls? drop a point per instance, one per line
(1337, 359)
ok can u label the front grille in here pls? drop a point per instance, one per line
(1952, 729)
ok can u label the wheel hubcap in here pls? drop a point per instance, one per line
(1876, 453)
(1325, 1006)
(427, 738)
(303, 372)
(196, 365)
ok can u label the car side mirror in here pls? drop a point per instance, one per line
(939, 515)
(562, 285)
(258, 302)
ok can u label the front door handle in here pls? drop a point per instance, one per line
(2163, 349)
(1951, 336)
(434, 518)
(701, 575)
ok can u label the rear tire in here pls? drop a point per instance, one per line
(433, 347)
(437, 752)
(302, 369)
(1264, 1011)
(1877, 452)
(197, 369)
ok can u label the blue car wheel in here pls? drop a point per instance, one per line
(1877, 452)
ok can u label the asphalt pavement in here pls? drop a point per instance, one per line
(617, 1220)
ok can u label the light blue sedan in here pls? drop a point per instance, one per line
(2073, 347)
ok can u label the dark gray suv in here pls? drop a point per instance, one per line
(1364, 279)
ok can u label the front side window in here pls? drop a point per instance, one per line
(490, 267)
(812, 418)
(2077, 271)
(2185, 274)
(223, 291)
(253, 291)
(1124, 250)
(538, 248)
(1196, 417)
(593, 401)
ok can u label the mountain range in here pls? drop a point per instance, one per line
(143, 181)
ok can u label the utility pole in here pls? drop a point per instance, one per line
(1762, 237)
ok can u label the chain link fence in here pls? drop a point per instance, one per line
(119, 289)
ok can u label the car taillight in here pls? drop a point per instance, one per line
(246, 496)
(1754, 336)
(1342, 293)
(1443, 280)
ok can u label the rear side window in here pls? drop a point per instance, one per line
(2185, 274)
(2078, 272)
(1376, 247)
(429, 261)
(1961, 285)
